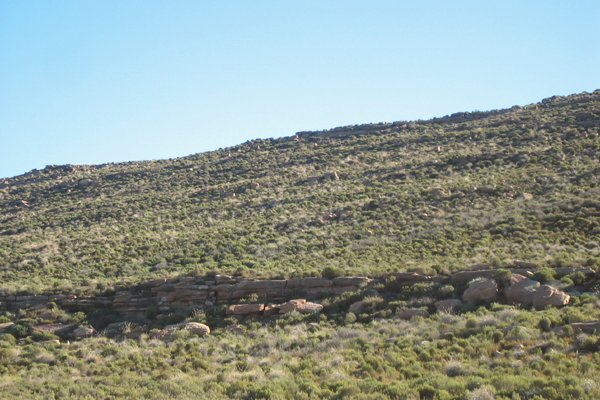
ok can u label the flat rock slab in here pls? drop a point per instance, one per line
(590, 327)
(358, 281)
(261, 285)
(5, 326)
(309, 283)
(245, 309)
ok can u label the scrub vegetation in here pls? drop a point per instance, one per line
(432, 197)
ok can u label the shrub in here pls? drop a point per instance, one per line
(567, 281)
(350, 318)
(497, 336)
(544, 275)
(20, 331)
(331, 272)
(446, 291)
(8, 338)
(545, 324)
(588, 343)
(41, 336)
(482, 393)
(578, 278)
(503, 277)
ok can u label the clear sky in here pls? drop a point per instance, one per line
(87, 81)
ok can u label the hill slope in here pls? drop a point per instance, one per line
(441, 194)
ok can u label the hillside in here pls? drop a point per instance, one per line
(454, 258)
(429, 196)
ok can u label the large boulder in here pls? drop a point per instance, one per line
(196, 328)
(521, 290)
(82, 332)
(357, 307)
(547, 295)
(448, 305)
(481, 291)
(300, 305)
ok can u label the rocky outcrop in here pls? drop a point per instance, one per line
(547, 295)
(461, 278)
(300, 305)
(187, 293)
(521, 290)
(480, 292)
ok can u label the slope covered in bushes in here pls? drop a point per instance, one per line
(440, 195)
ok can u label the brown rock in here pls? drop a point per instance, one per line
(194, 328)
(245, 309)
(547, 295)
(300, 305)
(521, 290)
(413, 312)
(291, 305)
(310, 308)
(483, 291)
(448, 305)
(357, 307)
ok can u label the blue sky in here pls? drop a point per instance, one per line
(88, 82)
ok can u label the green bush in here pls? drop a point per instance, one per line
(331, 272)
(545, 324)
(544, 275)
